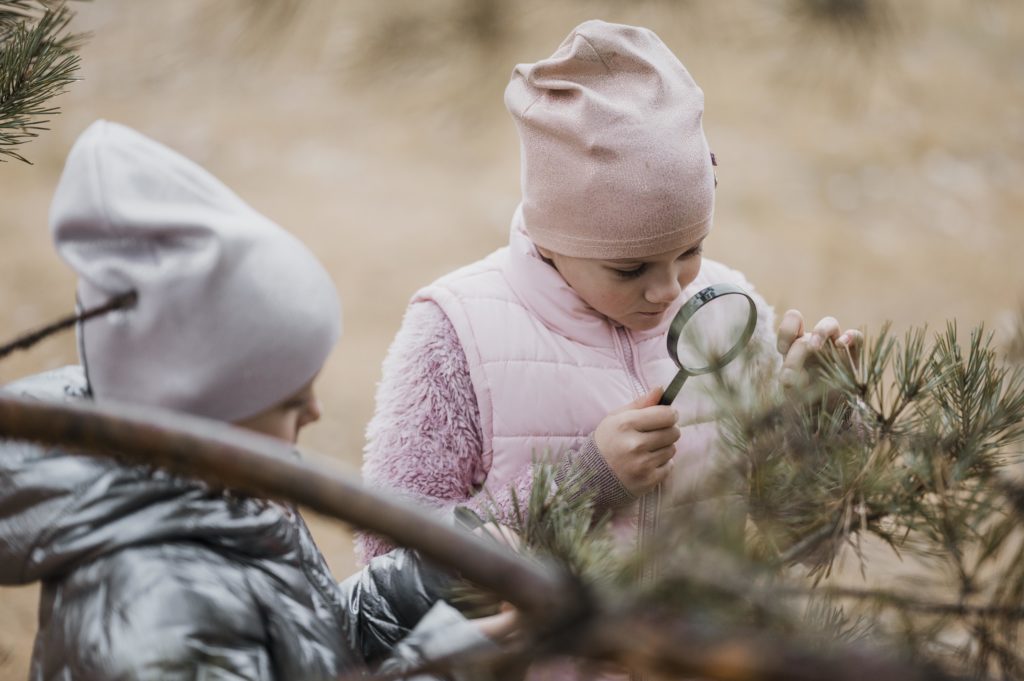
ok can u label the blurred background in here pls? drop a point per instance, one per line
(871, 158)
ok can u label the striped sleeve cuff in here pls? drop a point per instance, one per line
(587, 472)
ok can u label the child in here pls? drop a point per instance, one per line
(556, 343)
(150, 576)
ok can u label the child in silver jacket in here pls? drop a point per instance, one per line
(146, 575)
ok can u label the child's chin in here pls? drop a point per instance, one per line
(642, 322)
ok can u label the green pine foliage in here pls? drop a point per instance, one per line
(913, 446)
(37, 63)
(919, 451)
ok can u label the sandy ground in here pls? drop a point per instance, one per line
(873, 180)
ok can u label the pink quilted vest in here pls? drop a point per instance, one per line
(547, 368)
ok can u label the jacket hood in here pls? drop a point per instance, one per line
(59, 509)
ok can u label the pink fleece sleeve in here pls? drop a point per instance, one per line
(424, 440)
(425, 443)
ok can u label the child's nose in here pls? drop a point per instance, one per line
(664, 291)
(313, 411)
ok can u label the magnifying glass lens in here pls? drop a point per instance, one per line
(712, 333)
(709, 331)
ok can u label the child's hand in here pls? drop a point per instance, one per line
(639, 442)
(799, 349)
(501, 627)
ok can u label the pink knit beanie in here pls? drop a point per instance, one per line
(614, 159)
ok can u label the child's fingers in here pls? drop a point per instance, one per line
(794, 372)
(657, 417)
(827, 329)
(852, 340)
(791, 328)
(498, 627)
(660, 457)
(649, 400)
(657, 439)
(663, 471)
(653, 397)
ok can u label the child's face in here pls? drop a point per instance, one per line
(286, 419)
(635, 293)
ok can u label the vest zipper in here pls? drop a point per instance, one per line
(647, 520)
(626, 350)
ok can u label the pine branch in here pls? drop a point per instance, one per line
(904, 602)
(921, 464)
(37, 63)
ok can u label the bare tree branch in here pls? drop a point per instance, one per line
(225, 456)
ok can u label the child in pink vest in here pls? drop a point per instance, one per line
(556, 343)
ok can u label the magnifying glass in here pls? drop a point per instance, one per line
(704, 337)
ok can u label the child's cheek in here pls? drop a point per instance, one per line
(626, 297)
(689, 273)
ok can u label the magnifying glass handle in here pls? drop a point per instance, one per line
(673, 388)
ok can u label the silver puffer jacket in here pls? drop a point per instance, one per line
(149, 576)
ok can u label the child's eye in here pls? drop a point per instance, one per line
(631, 273)
(696, 250)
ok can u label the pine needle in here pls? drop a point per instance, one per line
(37, 62)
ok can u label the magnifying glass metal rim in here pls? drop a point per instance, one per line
(683, 316)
